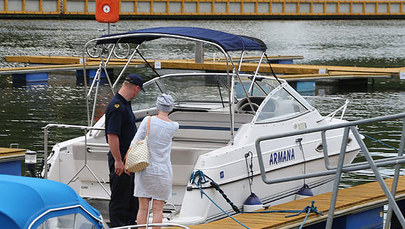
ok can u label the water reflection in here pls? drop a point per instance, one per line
(354, 42)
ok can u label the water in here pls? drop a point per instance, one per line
(25, 110)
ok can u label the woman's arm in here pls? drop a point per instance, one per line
(141, 132)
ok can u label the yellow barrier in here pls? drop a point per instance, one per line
(40, 7)
(251, 7)
(212, 7)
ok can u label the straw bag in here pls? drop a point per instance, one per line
(137, 158)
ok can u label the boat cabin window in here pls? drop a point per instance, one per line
(279, 105)
(74, 221)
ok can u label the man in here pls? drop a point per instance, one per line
(120, 129)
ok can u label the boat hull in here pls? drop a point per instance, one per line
(226, 164)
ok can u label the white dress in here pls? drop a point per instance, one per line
(156, 180)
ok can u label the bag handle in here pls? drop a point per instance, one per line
(147, 130)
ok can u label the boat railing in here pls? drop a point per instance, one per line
(341, 167)
(333, 114)
(87, 146)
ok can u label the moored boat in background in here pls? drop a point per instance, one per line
(44, 204)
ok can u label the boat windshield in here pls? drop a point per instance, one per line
(201, 90)
(208, 91)
(194, 91)
(261, 88)
(283, 103)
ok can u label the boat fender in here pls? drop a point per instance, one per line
(304, 192)
(252, 203)
(30, 162)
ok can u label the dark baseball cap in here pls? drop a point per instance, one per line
(135, 79)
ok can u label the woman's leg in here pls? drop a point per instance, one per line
(157, 209)
(143, 210)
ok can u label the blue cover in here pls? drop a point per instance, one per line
(23, 199)
(228, 41)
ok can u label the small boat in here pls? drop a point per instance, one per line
(30, 203)
(221, 116)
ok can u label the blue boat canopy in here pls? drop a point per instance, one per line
(28, 202)
(228, 41)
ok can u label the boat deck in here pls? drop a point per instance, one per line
(354, 199)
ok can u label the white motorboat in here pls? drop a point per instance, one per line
(221, 115)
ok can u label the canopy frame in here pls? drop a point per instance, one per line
(241, 43)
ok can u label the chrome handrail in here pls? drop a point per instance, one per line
(332, 115)
(85, 129)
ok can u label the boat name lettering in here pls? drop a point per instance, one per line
(281, 156)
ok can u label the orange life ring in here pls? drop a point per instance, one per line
(107, 11)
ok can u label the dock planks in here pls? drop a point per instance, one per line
(77, 60)
(290, 71)
(9, 153)
(349, 200)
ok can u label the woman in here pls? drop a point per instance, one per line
(155, 182)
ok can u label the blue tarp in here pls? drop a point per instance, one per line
(228, 41)
(24, 200)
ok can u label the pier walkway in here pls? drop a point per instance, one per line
(288, 71)
(349, 201)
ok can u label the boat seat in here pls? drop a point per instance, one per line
(206, 126)
(184, 155)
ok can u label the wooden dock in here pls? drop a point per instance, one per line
(350, 200)
(289, 71)
(58, 63)
(11, 154)
(10, 161)
(77, 60)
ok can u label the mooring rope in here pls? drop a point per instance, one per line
(198, 178)
(202, 179)
(307, 209)
(379, 141)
